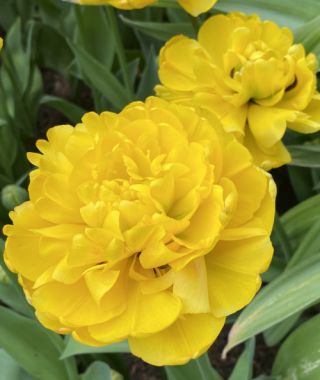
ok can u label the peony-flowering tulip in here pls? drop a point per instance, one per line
(194, 7)
(251, 75)
(151, 225)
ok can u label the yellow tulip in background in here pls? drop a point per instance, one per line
(150, 225)
(251, 76)
(194, 7)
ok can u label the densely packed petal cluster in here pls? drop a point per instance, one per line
(194, 7)
(152, 224)
(251, 75)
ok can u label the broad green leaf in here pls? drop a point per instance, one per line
(101, 78)
(309, 246)
(276, 333)
(199, 369)
(18, 58)
(75, 348)
(57, 54)
(307, 155)
(94, 35)
(160, 30)
(299, 356)
(243, 368)
(283, 238)
(301, 182)
(294, 290)
(298, 220)
(292, 13)
(10, 370)
(97, 371)
(308, 35)
(30, 345)
(8, 149)
(9, 296)
(73, 112)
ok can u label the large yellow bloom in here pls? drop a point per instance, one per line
(152, 225)
(249, 73)
(194, 7)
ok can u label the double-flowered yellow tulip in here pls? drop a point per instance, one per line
(150, 225)
(249, 73)
(194, 7)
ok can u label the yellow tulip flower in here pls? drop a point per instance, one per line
(249, 73)
(150, 225)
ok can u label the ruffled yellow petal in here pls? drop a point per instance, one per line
(145, 314)
(186, 341)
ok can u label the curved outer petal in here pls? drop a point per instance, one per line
(195, 7)
(233, 270)
(187, 342)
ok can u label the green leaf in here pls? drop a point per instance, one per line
(57, 54)
(30, 345)
(299, 356)
(308, 35)
(8, 149)
(97, 371)
(285, 12)
(9, 296)
(276, 333)
(73, 112)
(295, 290)
(101, 78)
(19, 59)
(301, 182)
(149, 78)
(243, 368)
(160, 30)
(199, 369)
(75, 348)
(10, 370)
(307, 155)
(309, 246)
(94, 35)
(298, 220)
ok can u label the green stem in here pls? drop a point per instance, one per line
(120, 49)
(195, 24)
